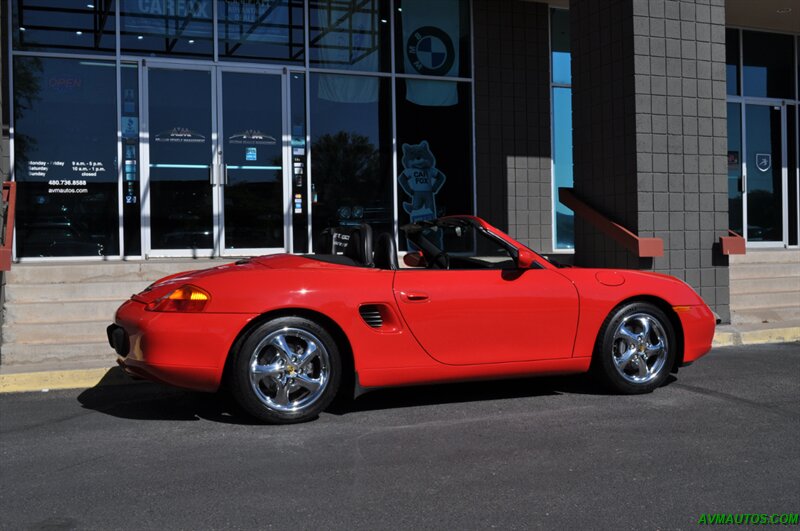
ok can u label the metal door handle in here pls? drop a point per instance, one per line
(414, 296)
(211, 174)
(225, 175)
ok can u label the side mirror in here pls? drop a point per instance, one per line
(414, 259)
(526, 258)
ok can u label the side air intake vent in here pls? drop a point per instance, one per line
(371, 315)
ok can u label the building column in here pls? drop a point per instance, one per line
(512, 118)
(650, 134)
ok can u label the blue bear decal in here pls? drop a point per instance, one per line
(420, 180)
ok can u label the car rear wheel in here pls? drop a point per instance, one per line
(287, 370)
(636, 348)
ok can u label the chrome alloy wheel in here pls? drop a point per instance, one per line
(640, 348)
(289, 369)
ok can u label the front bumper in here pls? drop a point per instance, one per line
(181, 349)
(698, 323)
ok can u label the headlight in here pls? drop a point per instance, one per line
(187, 298)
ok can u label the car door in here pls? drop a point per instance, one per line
(465, 317)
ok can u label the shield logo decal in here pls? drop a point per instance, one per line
(763, 161)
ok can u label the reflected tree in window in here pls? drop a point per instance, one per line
(27, 89)
(346, 167)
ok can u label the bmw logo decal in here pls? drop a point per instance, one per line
(431, 51)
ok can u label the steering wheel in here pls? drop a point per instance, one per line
(441, 260)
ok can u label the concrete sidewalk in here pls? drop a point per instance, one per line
(77, 375)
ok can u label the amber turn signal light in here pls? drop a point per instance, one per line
(187, 298)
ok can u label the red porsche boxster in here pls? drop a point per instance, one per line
(286, 333)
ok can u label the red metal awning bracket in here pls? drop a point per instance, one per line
(732, 244)
(641, 247)
(9, 209)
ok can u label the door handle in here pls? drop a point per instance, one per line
(225, 175)
(211, 174)
(414, 296)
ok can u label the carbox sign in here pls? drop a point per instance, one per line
(180, 8)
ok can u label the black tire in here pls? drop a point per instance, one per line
(273, 381)
(636, 348)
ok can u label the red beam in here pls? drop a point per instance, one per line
(10, 199)
(732, 244)
(641, 247)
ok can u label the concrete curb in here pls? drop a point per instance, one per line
(733, 337)
(83, 379)
(71, 379)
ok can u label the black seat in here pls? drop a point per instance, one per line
(359, 246)
(385, 252)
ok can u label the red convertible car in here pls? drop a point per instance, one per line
(286, 333)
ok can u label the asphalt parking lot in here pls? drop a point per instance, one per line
(723, 437)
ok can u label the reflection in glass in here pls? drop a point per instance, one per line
(735, 167)
(253, 161)
(562, 165)
(349, 34)
(350, 155)
(764, 173)
(559, 45)
(65, 157)
(299, 195)
(261, 31)
(434, 158)
(432, 38)
(174, 28)
(64, 25)
(768, 64)
(181, 214)
(129, 120)
(732, 60)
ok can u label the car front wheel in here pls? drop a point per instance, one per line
(287, 370)
(636, 348)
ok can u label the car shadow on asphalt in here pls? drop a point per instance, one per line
(120, 396)
(476, 391)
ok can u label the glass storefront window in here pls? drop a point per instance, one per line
(261, 30)
(768, 64)
(129, 128)
(299, 206)
(433, 38)
(181, 159)
(561, 78)
(763, 156)
(562, 165)
(351, 153)
(65, 142)
(78, 26)
(434, 150)
(349, 35)
(732, 61)
(735, 167)
(167, 27)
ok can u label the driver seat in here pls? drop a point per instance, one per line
(359, 246)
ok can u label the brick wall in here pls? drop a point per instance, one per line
(512, 118)
(650, 134)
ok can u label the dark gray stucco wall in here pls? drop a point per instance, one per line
(650, 134)
(512, 118)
